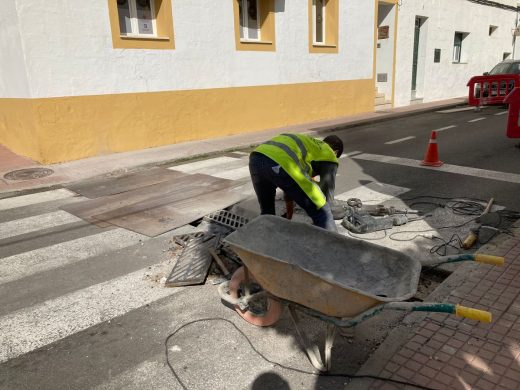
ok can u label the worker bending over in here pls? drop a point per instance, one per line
(289, 162)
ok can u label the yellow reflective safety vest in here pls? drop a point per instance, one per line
(294, 153)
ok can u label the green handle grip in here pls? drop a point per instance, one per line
(488, 259)
(473, 314)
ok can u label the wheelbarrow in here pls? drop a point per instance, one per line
(337, 279)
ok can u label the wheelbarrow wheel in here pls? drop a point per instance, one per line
(263, 313)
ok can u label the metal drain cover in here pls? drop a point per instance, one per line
(28, 174)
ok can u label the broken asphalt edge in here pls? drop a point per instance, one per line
(398, 337)
(312, 128)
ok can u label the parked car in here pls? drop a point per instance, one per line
(504, 67)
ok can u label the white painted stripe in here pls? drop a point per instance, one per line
(242, 153)
(396, 141)
(190, 167)
(502, 113)
(38, 222)
(43, 259)
(445, 128)
(233, 174)
(350, 154)
(34, 327)
(451, 110)
(373, 193)
(40, 197)
(468, 171)
(476, 119)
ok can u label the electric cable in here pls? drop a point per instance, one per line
(339, 375)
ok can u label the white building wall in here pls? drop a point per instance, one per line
(13, 76)
(446, 79)
(68, 49)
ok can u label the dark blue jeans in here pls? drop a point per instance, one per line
(267, 175)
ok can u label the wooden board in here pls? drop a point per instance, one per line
(158, 220)
(88, 209)
(105, 186)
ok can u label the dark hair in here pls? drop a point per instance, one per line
(335, 143)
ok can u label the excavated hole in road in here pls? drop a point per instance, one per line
(429, 280)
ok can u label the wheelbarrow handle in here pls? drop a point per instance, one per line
(489, 259)
(473, 314)
(458, 310)
(478, 257)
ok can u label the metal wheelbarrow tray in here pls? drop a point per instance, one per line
(339, 279)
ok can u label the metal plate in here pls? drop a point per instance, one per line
(28, 174)
(193, 263)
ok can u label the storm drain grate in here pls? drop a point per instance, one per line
(193, 262)
(28, 174)
(227, 218)
(183, 239)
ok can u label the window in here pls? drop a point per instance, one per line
(458, 53)
(141, 24)
(492, 29)
(249, 26)
(254, 25)
(506, 56)
(318, 17)
(136, 17)
(323, 26)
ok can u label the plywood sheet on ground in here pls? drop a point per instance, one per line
(152, 221)
(88, 209)
(160, 207)
(105, 186)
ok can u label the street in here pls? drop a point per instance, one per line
(82, 306)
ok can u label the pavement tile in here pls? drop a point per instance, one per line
(442, 356)
(432, 326)
(469, 377)
(457, 344)
(420, 358)
(498, 369)
(445, 378)
(428, 372)
(392, 367)
(446, 331)
(461, 337)
(457, 362)
(405, 352)
(513, 375)
(484, 384)
(440, 337)
(509, 383)
(405, 372)
(504, 361)
(435, 364)
(449, 350)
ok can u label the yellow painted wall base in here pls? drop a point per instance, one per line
(52, 130)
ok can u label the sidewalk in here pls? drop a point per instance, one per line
(445, 352)
(117, 162)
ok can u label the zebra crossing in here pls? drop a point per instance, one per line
(61, 277)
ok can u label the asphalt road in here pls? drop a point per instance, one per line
(81, 307)
(476, 140)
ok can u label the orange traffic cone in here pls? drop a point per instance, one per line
(431, 158)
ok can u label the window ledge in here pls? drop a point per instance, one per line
(460, 63)
(251, 41)
(323, 45)
(143, 37)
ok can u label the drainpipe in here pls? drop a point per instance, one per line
(514, 35)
